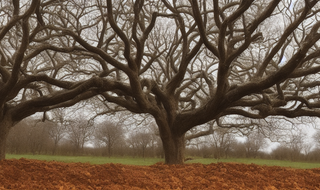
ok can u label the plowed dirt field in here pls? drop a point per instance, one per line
(33, 174)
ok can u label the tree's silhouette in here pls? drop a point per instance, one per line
(80, 131)
(58, 130)
(221, 142)
(108, 134)
(183, 62)
(254, 143)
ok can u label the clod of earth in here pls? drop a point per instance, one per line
(34, 174)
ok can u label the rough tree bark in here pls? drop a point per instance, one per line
(173, 147)
(173, 141)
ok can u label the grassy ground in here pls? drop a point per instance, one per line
(89, 159)
(150, 161)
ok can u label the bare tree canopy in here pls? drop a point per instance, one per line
(183, 62)
(37, 70)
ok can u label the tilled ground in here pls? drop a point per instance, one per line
(33, 174)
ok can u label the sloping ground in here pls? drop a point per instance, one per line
(33, 174)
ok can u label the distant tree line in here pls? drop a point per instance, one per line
(82, 137)
(109, 138)
(297, 146)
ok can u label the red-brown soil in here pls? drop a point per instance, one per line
(33, 174)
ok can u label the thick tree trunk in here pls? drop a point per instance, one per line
(173, 149)
(173, 142)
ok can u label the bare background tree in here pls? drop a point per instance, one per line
(255, 142)
(80, 131)
(108, 135)
(222, 141)
(140, 141)
(295, 142)
(58, 131)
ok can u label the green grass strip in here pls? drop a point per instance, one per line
(89, 159)
(151, 161)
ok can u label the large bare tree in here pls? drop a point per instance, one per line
(183, 62)
(37, 72)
